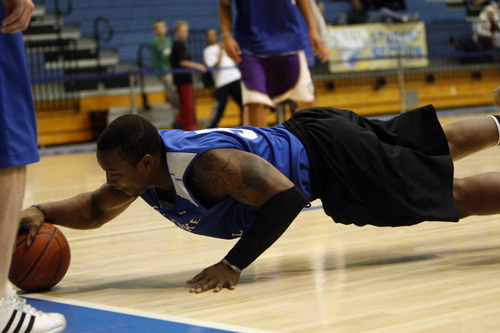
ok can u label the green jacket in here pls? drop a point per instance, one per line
(161, 48)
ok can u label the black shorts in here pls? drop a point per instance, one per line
(385, 173)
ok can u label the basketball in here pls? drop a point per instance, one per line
(44, 263)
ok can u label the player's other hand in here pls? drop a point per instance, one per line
(216, 277)
(232, 48)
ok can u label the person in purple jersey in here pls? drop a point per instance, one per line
(18, 147)
(251, 182)
(269, 46)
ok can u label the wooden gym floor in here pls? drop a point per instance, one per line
(319, 277)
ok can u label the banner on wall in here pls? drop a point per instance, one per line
(377, 46)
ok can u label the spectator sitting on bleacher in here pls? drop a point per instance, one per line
(359, 15)
(487, 27)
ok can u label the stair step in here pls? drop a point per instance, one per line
(66, 33)
(107, 58)
(48, 19)
(39, 10)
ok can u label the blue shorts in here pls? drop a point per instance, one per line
(18, 134)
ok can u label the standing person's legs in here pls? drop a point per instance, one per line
(12, 182)
(186, 116)
(15, 314)
(255, 115)
(179, 118)
(221, 95)
(170, 90)
(235, 92)
(190, 122)
(254, 91)
(18, 147)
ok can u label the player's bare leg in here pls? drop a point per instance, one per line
(469, 135)
(477, 195)
(255, 115)
(12, 182)
(15, 314)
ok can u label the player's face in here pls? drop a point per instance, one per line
(123, 176)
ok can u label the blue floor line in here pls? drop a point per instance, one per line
(82, 319)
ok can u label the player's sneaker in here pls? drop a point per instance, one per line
(17, 316)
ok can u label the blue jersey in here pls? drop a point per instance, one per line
(230, 218)
(269, 27)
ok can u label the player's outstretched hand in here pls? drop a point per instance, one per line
(31, 219)
(216, 277)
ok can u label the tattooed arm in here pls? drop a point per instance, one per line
(249, 179)
(84, 211)
(246, 177)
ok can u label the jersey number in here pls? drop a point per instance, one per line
(243, 132)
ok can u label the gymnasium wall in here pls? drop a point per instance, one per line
(450, 82)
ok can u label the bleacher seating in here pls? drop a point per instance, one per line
(133, 21)
(131, 24)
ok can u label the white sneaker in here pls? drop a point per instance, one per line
(17, 316)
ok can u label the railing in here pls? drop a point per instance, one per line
(142, 68)
(99, 36)
(48, 63)
(450, 58)
(56, 67)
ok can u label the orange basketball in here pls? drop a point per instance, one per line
(44, 263)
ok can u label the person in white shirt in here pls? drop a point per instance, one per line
(226, 76)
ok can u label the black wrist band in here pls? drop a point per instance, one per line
(40, 208)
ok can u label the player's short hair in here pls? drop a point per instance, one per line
(134, 137)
